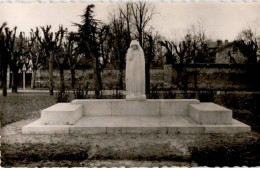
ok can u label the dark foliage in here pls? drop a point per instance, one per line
(169, 94)
(206, 96)
(154, 93)
(62, 96)
(187, 95)
(248, 45)
(117, 94)
(80, 93)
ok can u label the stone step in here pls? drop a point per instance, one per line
(122, 107)
(62, 114)
(210, 114)
(133, 124)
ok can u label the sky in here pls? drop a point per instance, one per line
(222, 20)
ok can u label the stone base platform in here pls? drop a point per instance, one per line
(114, 116)
(133, 124)
(122, 107)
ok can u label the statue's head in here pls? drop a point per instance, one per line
(134, 45)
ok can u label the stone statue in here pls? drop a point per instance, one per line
(135, 72)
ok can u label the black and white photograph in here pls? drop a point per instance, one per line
(133, 84)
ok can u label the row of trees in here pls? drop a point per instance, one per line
(96, 42)
(106, 43)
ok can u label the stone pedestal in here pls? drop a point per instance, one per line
(210, 114)
(149, 107)
(62, 114)
(120, 116)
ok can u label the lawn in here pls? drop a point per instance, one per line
(19, 106)
(130, 150)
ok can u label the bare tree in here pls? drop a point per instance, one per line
(169, 52)
(51, 43)
(72, 53)
(248, 43)
(125, 15)
(150, 51)
(4, 42)
(36, 55)
(121, 40)
(192, 47)
(104, 43)
(179, 50)
(9, 45)
(142, 13)
(18, 52)
(60, 54)
(199, 39)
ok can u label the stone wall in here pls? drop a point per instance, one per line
(198, 77)
(220, 77)
(110, 78)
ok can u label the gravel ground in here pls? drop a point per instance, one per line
(128, 150)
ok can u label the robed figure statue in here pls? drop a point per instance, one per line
(135, 72)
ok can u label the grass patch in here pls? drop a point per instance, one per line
(221, 155)
(19, 106)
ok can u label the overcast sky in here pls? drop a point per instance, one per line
(223, 20)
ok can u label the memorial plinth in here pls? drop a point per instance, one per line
(114, 116)
(210, 114)
(62, 114)
(122, 107)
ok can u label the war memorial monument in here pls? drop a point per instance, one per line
(135, 114)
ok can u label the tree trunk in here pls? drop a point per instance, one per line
(4, 81)
(99, 80)
(1, 76)
(14, 80)
(180, 76)
(147, 78)
(33, 79)
(51, 74)
(121, 69)
(96, 82)
(73, 78)
(184, 79)
(196, 81)
(141, 38)
(62, 84)
(120, 84)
